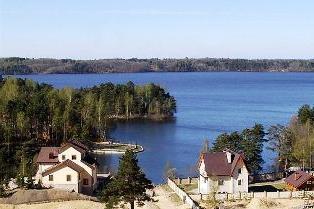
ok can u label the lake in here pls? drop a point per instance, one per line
(208, 104)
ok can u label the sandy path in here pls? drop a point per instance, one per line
(164, 200)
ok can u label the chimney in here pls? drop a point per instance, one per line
(228, 157)
(51, 155)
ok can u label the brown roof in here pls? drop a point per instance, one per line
(48, 155)
(216, 163)
(79, 144)
(66, 163)
(298, 178)
(68, 144)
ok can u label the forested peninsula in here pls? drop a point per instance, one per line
(36, 114)
(17, 65)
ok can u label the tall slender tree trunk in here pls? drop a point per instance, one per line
(132, 205)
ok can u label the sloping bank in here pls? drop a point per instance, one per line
(44, 195)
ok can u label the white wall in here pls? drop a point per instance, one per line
(41, 169)
(68, 155)
(203, 185)
(244, 177)
(183, 195)
(60, 179)
(203, 179)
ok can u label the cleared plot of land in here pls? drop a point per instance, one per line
(268, 186)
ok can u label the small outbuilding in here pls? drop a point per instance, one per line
(300, 180)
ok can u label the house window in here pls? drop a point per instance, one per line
(68, 177)
(239, 171)
(85, 181)
(220, 182)
(239, 182)
(73, 157)
(63, 157)
(50, 177)
(205, 179)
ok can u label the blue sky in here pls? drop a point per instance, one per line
(161, 28)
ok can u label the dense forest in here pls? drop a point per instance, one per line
(16, 65)
(250, 141)
(294, 142)
(34, 115)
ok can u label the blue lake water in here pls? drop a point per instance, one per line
(208, 104)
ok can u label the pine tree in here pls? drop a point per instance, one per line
(129, 185)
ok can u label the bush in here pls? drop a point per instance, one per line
(2, 191)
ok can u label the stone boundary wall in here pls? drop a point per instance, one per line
(236, 196)
(272, 195)
(183, 195)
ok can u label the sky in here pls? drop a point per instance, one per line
(95, 29)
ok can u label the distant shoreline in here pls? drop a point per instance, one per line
(26, 66)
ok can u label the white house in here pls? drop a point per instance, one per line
(224, 172)
(67, 167)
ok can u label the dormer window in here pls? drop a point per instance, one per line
(51, 155)
(73, 157)
(63, 157)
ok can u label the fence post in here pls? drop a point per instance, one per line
(278, 193)
(290, 194)
(252, 194)
(240, 195)
(227, 196)
(190, 180)
(303, 193)
(265, 194)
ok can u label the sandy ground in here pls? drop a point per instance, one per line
(165, 200)
(264, 204)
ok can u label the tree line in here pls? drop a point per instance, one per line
(17, 65)
(250, 141)
(36, 114)
(293, 143)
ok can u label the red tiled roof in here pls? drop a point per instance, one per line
(48, 155)
(66, 163)
(298, 178)
(216, 163)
